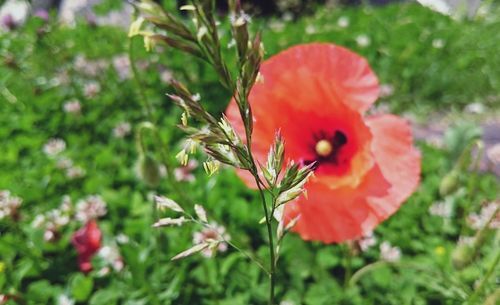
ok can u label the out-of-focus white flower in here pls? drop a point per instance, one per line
(111, 255)
(122, 239)
(367, 241)
(122, 130)
(91, 89)
(489, 211)
(277, 26)
(64, 163)
(475, 108)
(73, 106)
(287, 303)
(442, 209)
(9, 204)
(493, 154)
(311, 29)
(343, 22)
(89, 67)
(216, 236)
(466, 240)
(54, 147)
(389, 253)
(363, 41)
(75, 172)
(121, 63)
(52, 221)
(65, 300)
(438, 43)
(89, 208)
(166, 76)
(185, 173)
(386, 90)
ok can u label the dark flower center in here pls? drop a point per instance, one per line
(327, 148)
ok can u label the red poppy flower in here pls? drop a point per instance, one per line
(317, 94)
(87, 241)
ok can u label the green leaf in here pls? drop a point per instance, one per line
(81, 287)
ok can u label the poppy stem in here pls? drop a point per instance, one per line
(268, 216)
(472, 298)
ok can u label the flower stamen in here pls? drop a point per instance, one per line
(324, 148)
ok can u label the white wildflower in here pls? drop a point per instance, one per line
(389, 253)
(72, 106)
(121, 63)
(477, 221)
(63, 299)
(215, 235)
(111, 255)
(363, 41)
(75, 172)
(438, 43)
(386, 90)
(89, 208)
(441, 209)
(91, 89)
(475, 108)
(367, 241)
(9, 204)
(311, 29)
(64, 163)
(122, 129)
(54, 147)
(343, 22)
(185, 173)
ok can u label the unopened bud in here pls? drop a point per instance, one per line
(462, 256)
(450, 183)
(149, 170)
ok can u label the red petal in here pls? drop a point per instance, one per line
(339, 214)
(307, 89)
(399, 161)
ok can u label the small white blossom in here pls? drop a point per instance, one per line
(386, 90)
(89, 208)
(122, 239)
(367, 241)
(311, 29)
(91, 89)
(89, 67)
(111, 255)
(75, 172)
(121, 63)
(185, 173)
(477, 221)
(363, 41)
(343, 22)
(389, 253)
(475, 108)
(122, 130)
(466, 240)
(52, 221)
(287, 303)
(215, 235)
(438, 43)
(65, 300)
(9, 204)
(72, 106)
(64, 163)
(54, 147)
(441, 209)
(166, 76)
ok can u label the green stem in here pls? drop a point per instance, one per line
(348, 265)
(472, 298)
(175, 186)
(271, 241)
(366, 269)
